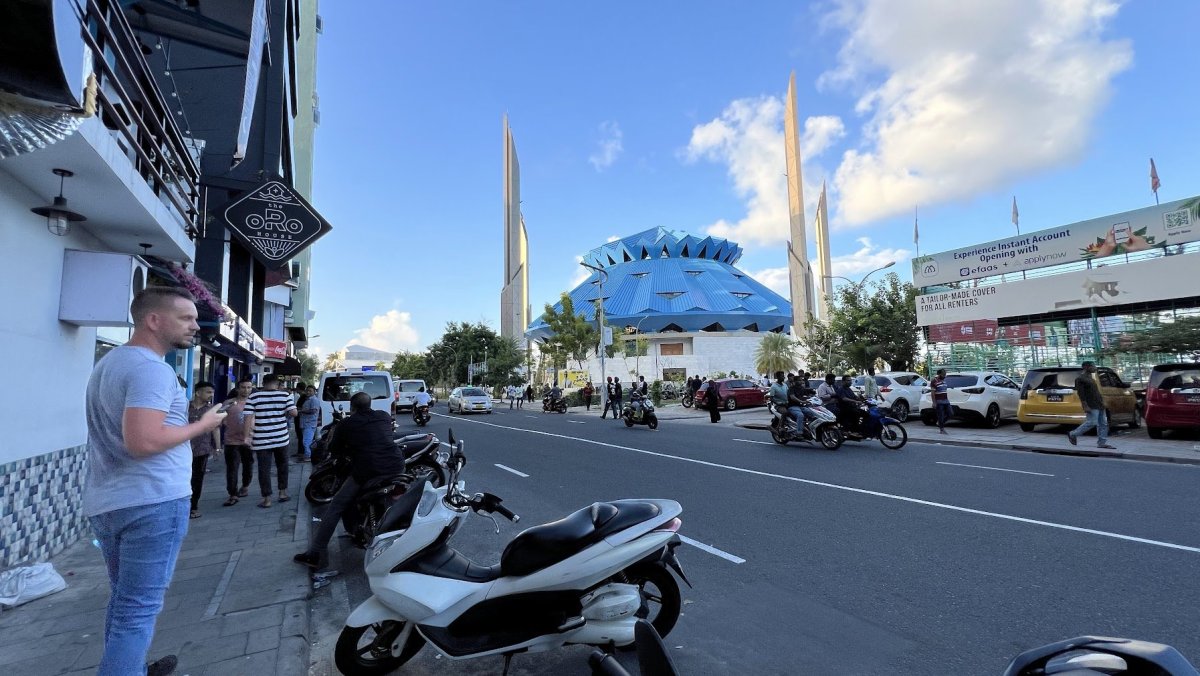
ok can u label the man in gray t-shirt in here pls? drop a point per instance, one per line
(138, 473)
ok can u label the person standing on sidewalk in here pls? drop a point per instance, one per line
(608, 396)
(309, 417)
(267, 411)
(615, 401)
(941, 400)
(587, 395)
(1093, 408)
(136, 490)
(237, 452)
(204, 445)
(712, 399)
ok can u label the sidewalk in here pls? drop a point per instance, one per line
(237, 603)
(1131, 444)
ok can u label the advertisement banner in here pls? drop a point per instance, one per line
(1025, 334)
(1175, 222)
(274, 349)
(979, 331)
(574, 378)
(1157, 279)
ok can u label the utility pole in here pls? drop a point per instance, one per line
(600, 318)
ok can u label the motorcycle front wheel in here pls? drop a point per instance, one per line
(320, 489)
(830, 437)
(426, 467)
(893, 436)
(661, 600)
(368, 650)
(687, 401)
(652, 422)
(628, 421)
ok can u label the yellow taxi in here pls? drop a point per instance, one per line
(1048, 397)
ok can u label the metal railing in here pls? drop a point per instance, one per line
(131, 105)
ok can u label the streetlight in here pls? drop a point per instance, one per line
(600, 318)
(637, 357)
(859, 284)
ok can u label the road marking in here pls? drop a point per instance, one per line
(509, 469)
(998, 469)
(751, 441)
(531, 416)
(860, 491)
(219, 593)
(712, 550)
(576, 422)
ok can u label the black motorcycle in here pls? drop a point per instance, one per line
(361, 520)
(639, 411)
(421, 457)
(557, 406)
(421, 414)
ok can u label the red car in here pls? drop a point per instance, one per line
(733, 392)
(1172, 398)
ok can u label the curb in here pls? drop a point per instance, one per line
(298, 634)
(1083, 452)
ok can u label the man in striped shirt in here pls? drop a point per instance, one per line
(267, 431)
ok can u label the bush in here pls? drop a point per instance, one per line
(656, 393)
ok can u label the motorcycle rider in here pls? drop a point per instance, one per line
(849, 413)
(366, 438)
(421, 398)
(555, 395)
(779, 396)
(828, 393)
(798, 395)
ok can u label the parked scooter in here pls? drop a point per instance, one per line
(558, 406)
(639, 410)
(653, 658)
(821, 428)
(420, 457)
(584, 579)
(421, 414)
(1100, 656)
(878, 423)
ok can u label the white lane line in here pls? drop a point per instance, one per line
(509, 469)
(576, 422)
(531, 416)
(998, 469)
(751, 441)
(860, 491)
(712, 550)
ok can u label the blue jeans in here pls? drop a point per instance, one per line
(306, 438)
(1094, 418)
(944, 412)
(140, 545)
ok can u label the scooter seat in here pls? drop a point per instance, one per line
(409, 447)
(541, 546)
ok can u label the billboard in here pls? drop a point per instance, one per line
(1157, 226)
(1102, 286)
(978, 331)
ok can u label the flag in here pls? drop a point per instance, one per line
(1016, 217)
(916, 231)
(1154, 183)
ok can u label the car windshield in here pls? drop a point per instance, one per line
(1051, 380)
(410, 385)
(961, 381)
(473, 392)
(1184, 378)
(341, 388)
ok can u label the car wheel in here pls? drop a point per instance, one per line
(901, 410)
(1027, 427)
(730, 403)
(928, 418)
(1136, 422)
(991, 419)
(1154, 432)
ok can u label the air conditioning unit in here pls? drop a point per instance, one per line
(98, 286)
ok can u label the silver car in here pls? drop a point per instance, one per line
(469, 400)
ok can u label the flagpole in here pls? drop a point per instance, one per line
(916, 233)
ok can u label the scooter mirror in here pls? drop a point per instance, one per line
(452, 436)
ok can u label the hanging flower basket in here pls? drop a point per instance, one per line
(199, 289)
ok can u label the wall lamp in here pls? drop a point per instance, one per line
(58, 216)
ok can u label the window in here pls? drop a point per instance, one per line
(961, 381)
(1110, 379)
(670, 295)
(1179, 377)
(341, 388)
(473, 392)
(670, 349)
(1051, 380)
(901, 380)
(741, 294)
(410, 385)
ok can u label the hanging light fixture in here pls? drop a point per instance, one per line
(58, 216)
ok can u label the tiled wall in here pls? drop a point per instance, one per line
(40, 506)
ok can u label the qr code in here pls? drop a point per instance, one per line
(1177, 219)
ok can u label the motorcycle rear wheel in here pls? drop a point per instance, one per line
(628, 421)
(423, 467)
(374, 658)
(893, 436)
(661, 600)
(321, 489)
(687, 401)
(778, 437)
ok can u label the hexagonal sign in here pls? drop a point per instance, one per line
(275, 222)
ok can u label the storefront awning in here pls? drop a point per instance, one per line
(289, 367)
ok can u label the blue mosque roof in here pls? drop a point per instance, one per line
(669, 280)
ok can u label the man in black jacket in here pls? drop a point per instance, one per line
(366, 438)
(1093, 407)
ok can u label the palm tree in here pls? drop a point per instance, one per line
(332, 362)
(776, 352)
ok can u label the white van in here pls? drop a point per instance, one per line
(336, 388)
(406, 391)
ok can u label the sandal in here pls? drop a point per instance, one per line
(231, 501)
(194, 515)
(244, 492)
(266, 502)
(284, 497)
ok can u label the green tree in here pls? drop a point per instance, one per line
(1180, 337)
(821, 349)
(332, 363)
(310, 367)
(464, 343)
(775, 352)
(879, 325)
(572, 335)
(411, 366)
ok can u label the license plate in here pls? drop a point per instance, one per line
(1053, 397)
(1193, 399)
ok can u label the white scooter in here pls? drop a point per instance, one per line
(584, 579)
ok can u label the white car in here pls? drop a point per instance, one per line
(901, 390)
(469, 400)
(406, 392)
(336, 387)
(986, 397)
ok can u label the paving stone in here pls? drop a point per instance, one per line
(295, 619)
(215, 570)
(172, 639)
(258, 664)
(248, 620)
(292, 657)
(266, 638)
(198, 653)
(92, 619)
(38, 659)
(206, 559)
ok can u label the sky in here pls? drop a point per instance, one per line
(631, 115)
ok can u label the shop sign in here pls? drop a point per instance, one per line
(274, 222)
(1162, 278)
(1172, 223)
(274, 349)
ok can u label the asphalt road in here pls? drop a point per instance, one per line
(931, 559)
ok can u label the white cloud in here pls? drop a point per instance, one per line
(610, 146)
(868, 257)
(775, 279)
(963, 97)
(581, 274)
(611, 238)
(748, 138)
(391, 332)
